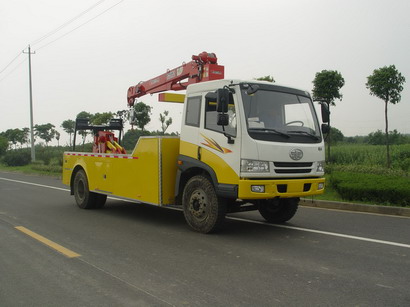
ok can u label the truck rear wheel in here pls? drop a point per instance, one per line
(204, 211)
(278, 210)
(83, 197)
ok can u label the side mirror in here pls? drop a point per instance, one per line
(222, 119)
(325, 128)
(222, 100)
(325, 112)
(252, 89)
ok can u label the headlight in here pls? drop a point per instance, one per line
(320, 167)
(254, 166)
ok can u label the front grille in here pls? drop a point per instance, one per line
(292, 171)
(293, 167)
(293, 164)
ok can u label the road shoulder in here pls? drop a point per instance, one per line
(386, 210)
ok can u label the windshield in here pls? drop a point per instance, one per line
(279, 116)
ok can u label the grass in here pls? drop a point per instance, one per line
(371, 155)
(33, 169)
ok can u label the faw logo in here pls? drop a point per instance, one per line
(296, 154)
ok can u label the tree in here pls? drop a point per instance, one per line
(14, 136)
(84, 114)
(123, 114)
(25, 136)
(57, 135)
(337, 136)
(45, 132)
(379, 138)
(326, 89)
(4, 144)
(101, 118)
(131, 138)
(142, 115)
(21, 137)
(376, 138)
(165, 123)
(268, 78)
(386, 83)
(68, 126)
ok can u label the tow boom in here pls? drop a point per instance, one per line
(203, 67)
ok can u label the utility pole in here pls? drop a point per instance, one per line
(33, 151)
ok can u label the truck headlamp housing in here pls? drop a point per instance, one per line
(320, 167)
(254, 166)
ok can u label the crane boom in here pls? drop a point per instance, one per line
(203, 67)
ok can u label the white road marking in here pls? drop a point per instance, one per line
(334, 234)
(35, 184)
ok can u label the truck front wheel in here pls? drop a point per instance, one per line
(204, 211)
(278, 210)
(83, 197)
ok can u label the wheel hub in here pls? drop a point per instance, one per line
(198, 204)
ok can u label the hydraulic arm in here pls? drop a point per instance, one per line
(203, 67)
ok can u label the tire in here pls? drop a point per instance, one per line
(278, 210)
(204, 211)
(83, 197)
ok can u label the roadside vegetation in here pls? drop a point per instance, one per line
(358, 172)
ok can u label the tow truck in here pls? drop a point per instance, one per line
(244, 145)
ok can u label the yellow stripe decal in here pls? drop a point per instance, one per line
(66, 252)
(211, 143)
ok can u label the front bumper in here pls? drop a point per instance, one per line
(285, 188)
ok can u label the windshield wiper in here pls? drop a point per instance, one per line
(313, 136)
(270, 130)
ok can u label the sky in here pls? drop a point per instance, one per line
(89, 52)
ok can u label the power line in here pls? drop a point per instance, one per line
(83, 24)
(10, 62)
(55, 31)
(66, 23)
(10, 72)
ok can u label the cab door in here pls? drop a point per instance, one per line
(219, 146)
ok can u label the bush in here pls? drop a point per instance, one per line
(4, 144)
(382, 189)
(365, 169)
(17, 158)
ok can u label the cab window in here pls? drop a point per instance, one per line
(193, 110)
(211, 117)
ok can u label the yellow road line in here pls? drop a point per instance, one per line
(65, 251)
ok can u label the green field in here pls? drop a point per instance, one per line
(371, 156)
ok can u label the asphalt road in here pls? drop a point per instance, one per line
(137, 255)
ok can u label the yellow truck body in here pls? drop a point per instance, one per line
(146, 175)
